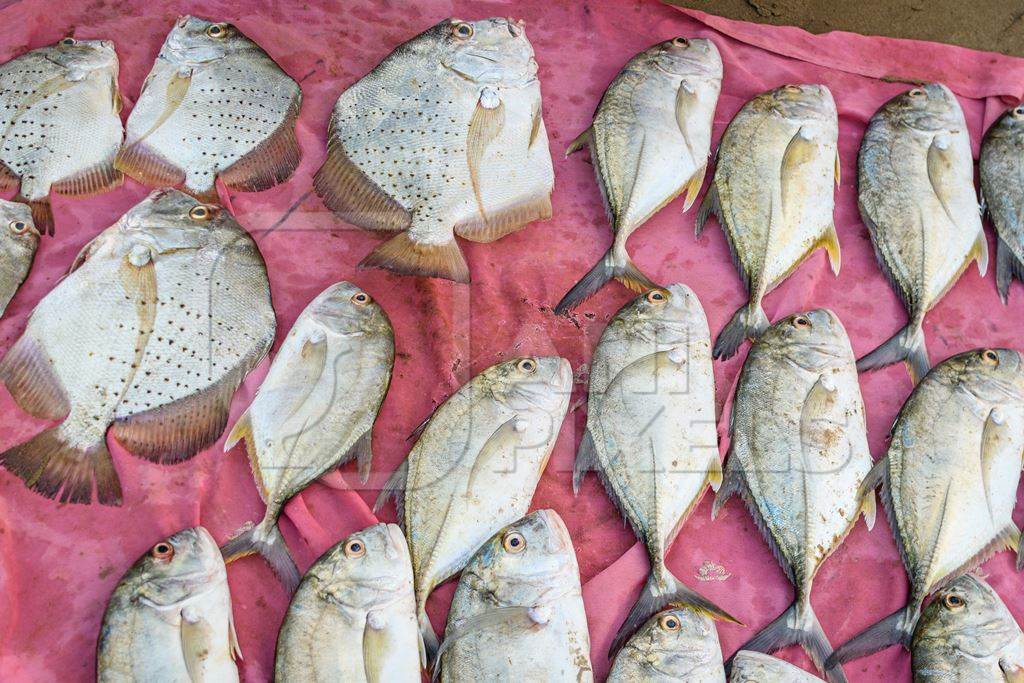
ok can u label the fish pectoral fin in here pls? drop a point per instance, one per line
(515, 617)
(830, 241)
(799, 151)
(198, 646)
(177, 89)
(503, 440)
(271, 162)
(485, 125)
(692, 187)
(402, 254)
(580, 141)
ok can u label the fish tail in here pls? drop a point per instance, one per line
(42, 213)
(906, 345)
(662, 589)
(51, 465)
(748, 322)
(266, 539)
(898, 627)
(402, 254)
(622, 269)
(798, 625)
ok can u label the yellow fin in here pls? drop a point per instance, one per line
(484, 127)
(715, 475)
(830, 242)
(692, 187)
(868, 508)
(979, 252)
(839, 170)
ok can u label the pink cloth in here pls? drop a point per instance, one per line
(59, 565)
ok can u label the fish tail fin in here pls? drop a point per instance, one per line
(429, 644)
(266, 539)
(661, 589)
(402, 254)
(55, 467)
(622, 269)
(748, 322)
(798, 625)
(906, 345)
(42, 213)
(898, 627)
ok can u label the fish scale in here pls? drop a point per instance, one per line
(1001, 167)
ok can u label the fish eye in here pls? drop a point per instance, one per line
(953, 601)
(354, 548)
(68, 42)
(18, 227)
(801, 321)
(201, 212)
(162, 551)
(513, 542)
(527, 366)
(915, 93)
(989, 357)
(361, 298)
(680, 42)
(216, 30)
(656, 296)
(1018, 111)
(793, 89)
(669, 622)
(462, 30)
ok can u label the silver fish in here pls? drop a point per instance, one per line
(215, 105)
(156, 325)
(169, 619)
(60, 113)
(649, 141)
(353, 617)
(18, 242)
(679, 644)
(651, 434)
(444, 137)
(798, 457)
(916, 196)
(475, 467)
(773, 195)
(949, 480)
(314, 411)
(755, 667)
(1001, 166)
(517, 614)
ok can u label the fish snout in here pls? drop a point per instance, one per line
(559, 539)
(563, 375)
(516, 27)
(398, 548)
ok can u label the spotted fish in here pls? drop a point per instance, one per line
(61, 125)
(215, 105)
(18, 242)
(151, 332)
(444, 137)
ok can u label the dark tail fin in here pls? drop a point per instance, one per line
(654, 597)
(404, 255)
(604, 270)
(906, 345)
(430, 642)
(749, 322)
(266, 539)
(42, 214)
(57, 469)
(795, 626)
(898, 627)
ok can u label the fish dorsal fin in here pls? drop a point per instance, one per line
(515, 616)
(485, 125)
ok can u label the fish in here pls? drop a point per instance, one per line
(798, 457)
(353, 617)
(773, 195)
(517, 613)
(169, 618)
(19, 240)
(965, 635)
(916, 195)
(61, 118)
(651, 435)
(949, 481)
(475, 466)
(314, 411)
(756, 667)
(650, 141)
(1001, 167)
(444, 137)
(158, 321)
(678, 644)
(214, 105)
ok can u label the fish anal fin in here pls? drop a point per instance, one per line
(362, 452)
(8, 180)
(586, 461)
(732, 483)
(28, 375)
(506, 220)
(347, 191)
(271, 162)
(711, 204)
(830, 242)
(95, 180)
(484, 126)
(404, 255)
(141, 163)
(979, 253)
(692, 187)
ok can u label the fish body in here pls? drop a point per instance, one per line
(773, 193)
(966, 635)
(315, 410)
(649, 142)
(475, 467)
(798, 457)
(169, 619)
(159, 320)
(916, 195)
(18, 242)
(517, 613)
(756, 667)
(949, 480)
(678, 644)
(1001, 167)
(444, 137)
(353, 617)
(651, 433)
(213, 105)
(61, 124)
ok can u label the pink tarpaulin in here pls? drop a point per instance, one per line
(59, 564)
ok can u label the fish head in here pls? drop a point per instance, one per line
(677, 642)
(684, 56)
(665, 315)
(167, 220)
(529, 384)
(992, 374)
(84, 58)
(1012, 121)
(344, 308)
(802, 101)
(967, 616)
(814, 340)
(488, 52)
(178, 568)
(198, 41)
(369, 567)
(929, 107)
(18, 229)
(528, 562)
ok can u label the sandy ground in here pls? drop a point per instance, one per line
(986, 25)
